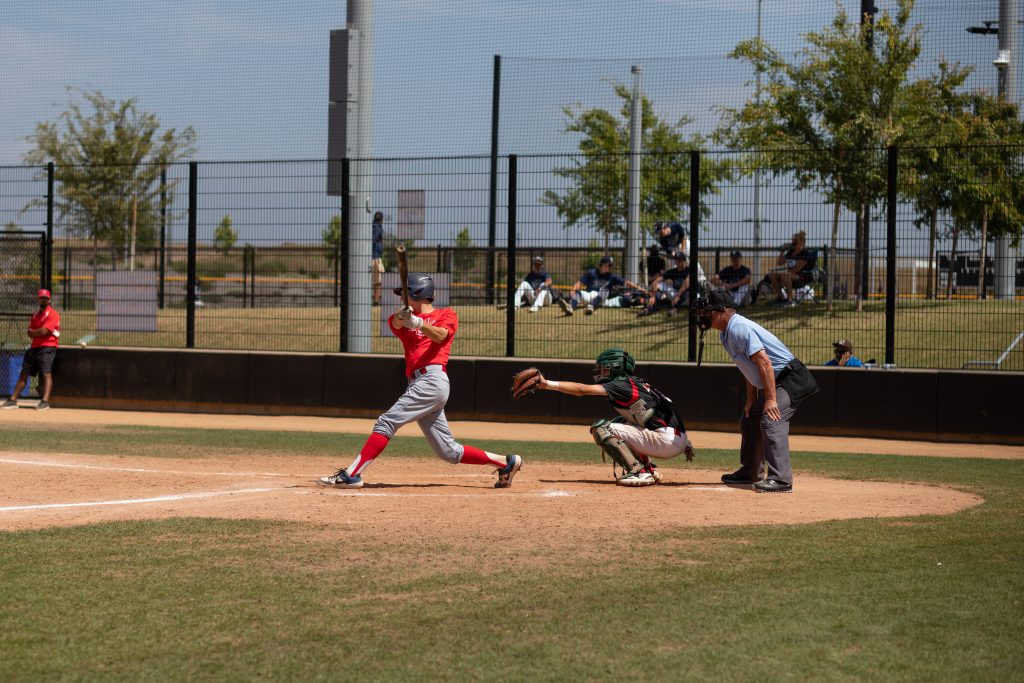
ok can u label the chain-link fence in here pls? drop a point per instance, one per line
(21, 275)
(273, 262)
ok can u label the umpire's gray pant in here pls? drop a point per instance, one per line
(767, 440)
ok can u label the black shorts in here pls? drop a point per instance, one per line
(39, 360)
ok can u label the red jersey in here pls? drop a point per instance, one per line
(419, 350)
(50, 319)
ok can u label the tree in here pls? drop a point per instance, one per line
(12, 227)
(989, 200)
(464, 258)
(331, 237)
(600, 175)
(827, 116)
(224, 237)
(108, 161)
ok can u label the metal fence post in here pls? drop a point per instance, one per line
(890, 256)
(346, 223)
(492, 190)
(694, 254)
(510, 275)
(190, 282)
(163, 238)
(48, 264)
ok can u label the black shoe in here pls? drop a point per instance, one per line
(736, 479)
(773, 486)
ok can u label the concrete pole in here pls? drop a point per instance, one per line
(360, 19)
(1006, 62)
(632, 270)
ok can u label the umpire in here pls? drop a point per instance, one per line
(777, 382)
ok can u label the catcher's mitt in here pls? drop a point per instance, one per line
(525, 382)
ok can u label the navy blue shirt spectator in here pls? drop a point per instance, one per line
(671, 236)
(377, 250)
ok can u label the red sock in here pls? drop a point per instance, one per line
(471, 455)
(371, 449)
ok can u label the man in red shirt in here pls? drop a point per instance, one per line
(426, 334)
(44, 330)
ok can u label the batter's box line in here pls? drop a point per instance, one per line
(135, 501)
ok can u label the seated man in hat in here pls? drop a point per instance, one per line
(844, 355)
(597, 287)
(734, 279)
(535, 287)
(670, 289)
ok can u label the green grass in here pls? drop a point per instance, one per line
(933, 598)
(930, 334)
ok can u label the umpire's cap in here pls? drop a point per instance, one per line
(421, 287)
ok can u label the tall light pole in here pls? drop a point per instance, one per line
(360, 19)
(632, 271)
(1006, 62)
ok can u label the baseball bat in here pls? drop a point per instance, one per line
(403, 273)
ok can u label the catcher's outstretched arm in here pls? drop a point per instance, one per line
(574, 388)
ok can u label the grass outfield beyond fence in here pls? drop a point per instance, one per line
(930, 334)
(929, 598)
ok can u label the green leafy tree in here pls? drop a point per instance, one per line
(599, 176)
(108, 158)
(464, 258)
(331, 237)
(826, 117)
(989, 202)
(225, 236)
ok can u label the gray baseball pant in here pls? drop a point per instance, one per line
(423, 403)
(767, 440)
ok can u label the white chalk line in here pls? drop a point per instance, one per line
(153, 470)
(135, 501)
(145, 470)
(396, 494)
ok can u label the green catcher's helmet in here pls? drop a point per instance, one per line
(612, 364)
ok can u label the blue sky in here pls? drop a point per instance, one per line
(251, 77)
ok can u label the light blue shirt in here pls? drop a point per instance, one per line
(743, 338)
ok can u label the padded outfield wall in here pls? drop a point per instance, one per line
(943, 405)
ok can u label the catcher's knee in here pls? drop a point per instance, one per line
(615, 448)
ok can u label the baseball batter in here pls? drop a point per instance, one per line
(648, 425)
(426, 334)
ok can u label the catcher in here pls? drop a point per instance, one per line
(647, 426)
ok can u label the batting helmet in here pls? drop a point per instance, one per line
(612, 364)
(421, 287)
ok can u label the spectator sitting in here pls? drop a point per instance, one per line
(734, 279)
(535, 287)
(844, 355)
(790, 269)
(671, 236)
(671, 288)
(597, 287)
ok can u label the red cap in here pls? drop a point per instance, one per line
(44, 292)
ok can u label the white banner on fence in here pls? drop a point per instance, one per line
(126, 301)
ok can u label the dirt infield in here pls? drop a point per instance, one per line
(494, 430)
(421, 500)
